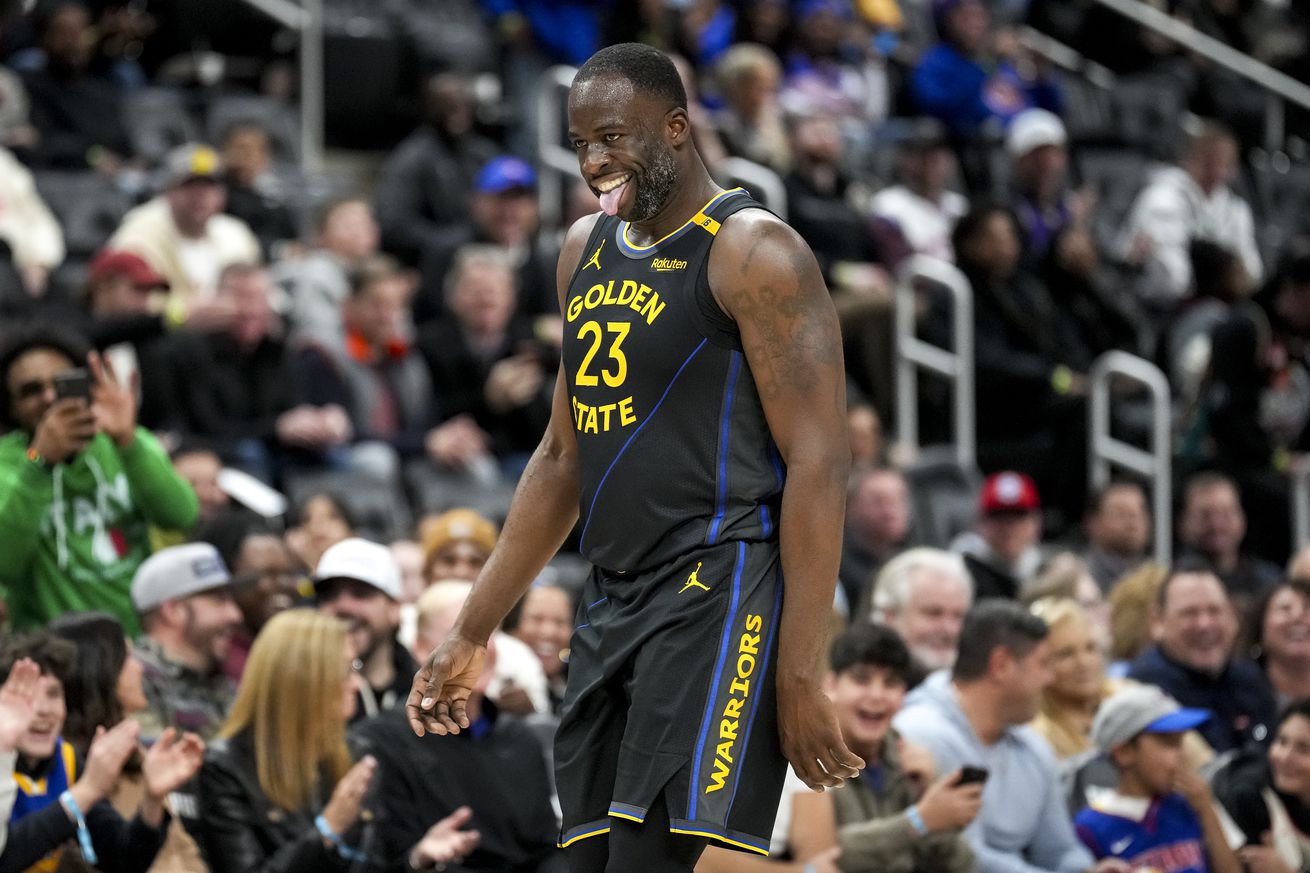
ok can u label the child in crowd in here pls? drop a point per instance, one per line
(1162, 817)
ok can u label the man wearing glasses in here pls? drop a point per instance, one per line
(80, 484)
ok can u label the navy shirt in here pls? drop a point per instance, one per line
(1240, 698)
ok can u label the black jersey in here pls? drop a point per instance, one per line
(674, 451)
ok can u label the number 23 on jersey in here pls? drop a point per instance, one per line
(612, 369)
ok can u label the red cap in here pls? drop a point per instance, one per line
(1008, 492)
(108, 264)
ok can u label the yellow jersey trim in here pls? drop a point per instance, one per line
(722, 839)
(700, 219)
(625, 815)
(583, 836)
(37, 787)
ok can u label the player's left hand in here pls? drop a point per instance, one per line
(438, 698)
(811, 739)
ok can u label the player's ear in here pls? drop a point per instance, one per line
(677, 126)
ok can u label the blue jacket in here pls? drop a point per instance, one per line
(1243, 705)
(569, 30)
(964, 94)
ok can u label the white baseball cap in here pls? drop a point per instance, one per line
(362, 561)
(176, 572)
(1032, 129)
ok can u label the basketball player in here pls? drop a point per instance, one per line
(699, 430)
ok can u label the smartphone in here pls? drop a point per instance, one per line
(972, 775)
(74, 383)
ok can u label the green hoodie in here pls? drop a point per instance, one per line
(71, 538)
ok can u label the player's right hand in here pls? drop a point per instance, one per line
(438, 699)
(811, 738)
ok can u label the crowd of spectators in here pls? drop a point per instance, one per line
(257, 437)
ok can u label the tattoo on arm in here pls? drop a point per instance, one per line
(781, 295)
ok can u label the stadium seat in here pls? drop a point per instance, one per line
(158, 120)
(943, 495)
(1088, 111)
(1116, 174)
(378, 508)
(1281, 201)
(434, 489)
(278, 119)
(88, 206)
(1148, 114)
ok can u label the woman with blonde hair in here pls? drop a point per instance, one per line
(1078, 686)
(278, 790)
(1132, 600)
(1079, 683)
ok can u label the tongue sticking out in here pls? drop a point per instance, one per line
(609, 200)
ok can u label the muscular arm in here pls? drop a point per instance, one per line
(543, 511)
(765, 278)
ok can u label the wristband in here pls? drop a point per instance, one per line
(175, 313)
(350, 854)
(83, 832)
(39, 459)
(1061, 379)
(916, 821)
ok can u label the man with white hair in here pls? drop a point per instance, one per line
(923, 594)
(519, 685)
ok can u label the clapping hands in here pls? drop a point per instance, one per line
(18, 702)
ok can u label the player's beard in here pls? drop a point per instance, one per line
(655, 186)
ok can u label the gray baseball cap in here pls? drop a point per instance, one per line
(1141, 709)
(176, 572)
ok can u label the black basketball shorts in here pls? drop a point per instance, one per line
(671, 689)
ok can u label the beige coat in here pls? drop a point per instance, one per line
(26, 223)
(148, 230)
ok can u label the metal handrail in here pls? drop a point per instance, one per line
(760, 177)
(1278, 84)
(913, 354)
(558, 163)
(1066, 57)
(1103, 449)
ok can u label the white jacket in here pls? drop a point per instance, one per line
(1171, 211)
(26, 223)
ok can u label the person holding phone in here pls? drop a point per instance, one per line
(80, 483)
(976, 716)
